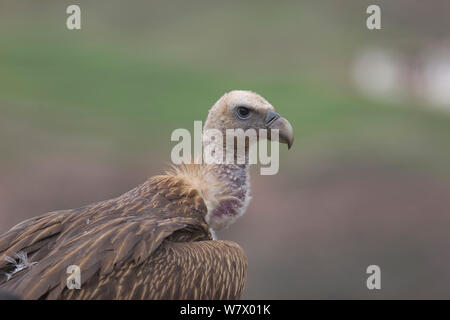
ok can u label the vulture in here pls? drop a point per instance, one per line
(155, 241)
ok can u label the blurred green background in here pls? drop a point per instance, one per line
(87, 114)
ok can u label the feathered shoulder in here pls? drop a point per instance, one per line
(103, 237)
(197, 182)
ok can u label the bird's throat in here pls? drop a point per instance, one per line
(234, 201)
(234, 178)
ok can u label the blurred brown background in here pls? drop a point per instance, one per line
(86, 115)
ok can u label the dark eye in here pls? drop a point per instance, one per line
(243, 112)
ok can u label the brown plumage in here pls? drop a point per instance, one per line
(153, 242)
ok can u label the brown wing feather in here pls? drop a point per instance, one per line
(102, 238)
(193, 270)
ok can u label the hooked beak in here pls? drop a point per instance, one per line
(274, 121)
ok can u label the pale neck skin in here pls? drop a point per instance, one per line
(236, 178)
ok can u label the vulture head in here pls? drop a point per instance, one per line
(237, 110)
(240, 109)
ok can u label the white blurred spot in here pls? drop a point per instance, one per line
(377, 73)
(436, 78)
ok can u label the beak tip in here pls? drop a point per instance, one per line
(286, 133)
